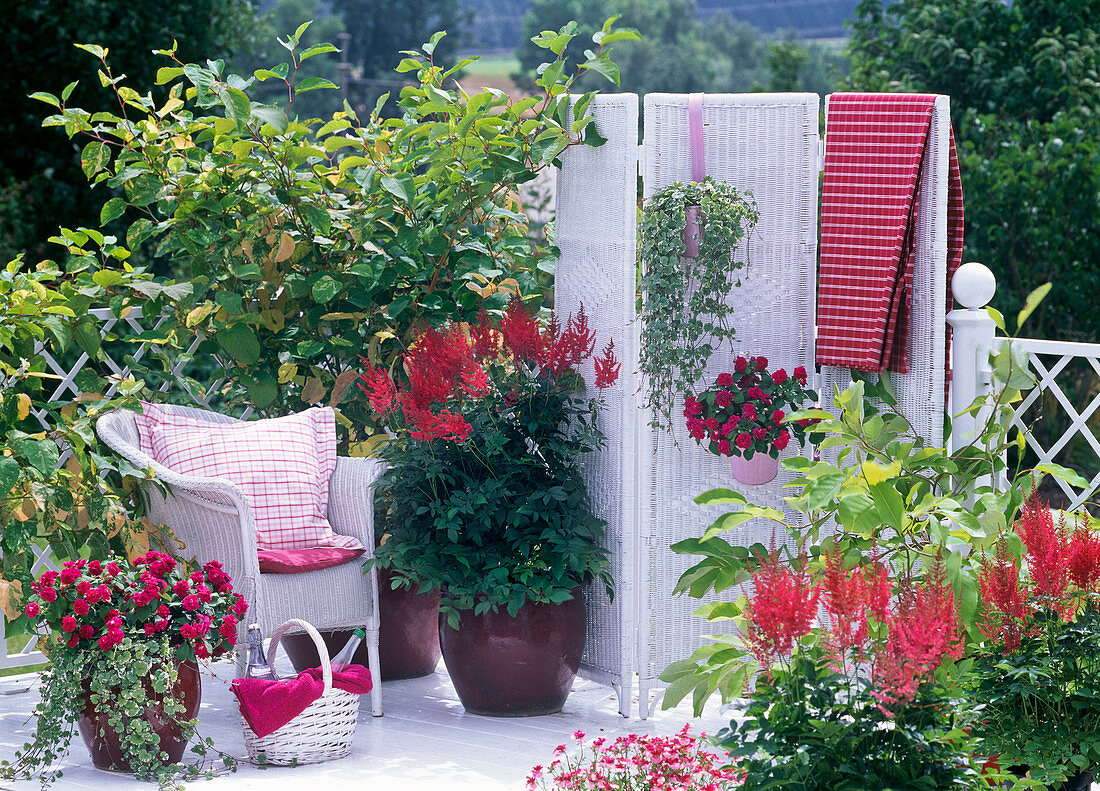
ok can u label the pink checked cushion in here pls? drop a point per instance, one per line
(294, 561)
(282, 465)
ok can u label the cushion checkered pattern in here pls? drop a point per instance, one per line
(282, 465)
(874, 148)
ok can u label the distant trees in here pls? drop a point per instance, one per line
(681, 54)
(380, 28)
(1024, 81)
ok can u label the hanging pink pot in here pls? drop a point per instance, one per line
(760, 469)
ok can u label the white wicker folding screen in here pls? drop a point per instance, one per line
(921, 391)
(767, 144)
(596, 229)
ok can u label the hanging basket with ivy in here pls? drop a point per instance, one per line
(685, 316)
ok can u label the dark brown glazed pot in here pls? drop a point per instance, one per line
(515, 666)
(408, 636)
(102, 740)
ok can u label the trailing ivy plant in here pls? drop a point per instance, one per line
(311, 241)
(685, 316)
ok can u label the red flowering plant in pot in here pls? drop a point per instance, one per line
(1036, 676)
(744, 416)
(123, 639)
(484, 499)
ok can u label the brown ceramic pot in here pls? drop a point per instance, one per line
(102, 740)
(515, 666)
(408, 636)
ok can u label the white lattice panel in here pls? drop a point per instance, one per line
(1073, 432)
(596, 231)
(766, 144)
(921, 391)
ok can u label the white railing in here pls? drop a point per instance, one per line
(1053, 362)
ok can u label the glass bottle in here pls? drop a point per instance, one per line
(257, 663)
(347, 653)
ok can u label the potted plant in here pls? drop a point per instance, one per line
(743, 416)
(1037, 673)
(123, 641)
(484, 499)
(855, 702)
(685, 315)
(638, 762)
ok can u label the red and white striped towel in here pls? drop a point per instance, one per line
(875, 143)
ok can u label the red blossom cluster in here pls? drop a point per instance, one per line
(921, 624)
(635, 761)
(744, 411)
(445, 369)
(1063, 569)
(91, 603)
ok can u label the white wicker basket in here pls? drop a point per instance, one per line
(322, 732)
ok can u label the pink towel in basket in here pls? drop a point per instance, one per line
(269, 705)
(874, 147)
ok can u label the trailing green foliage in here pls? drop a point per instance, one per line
(685, 316)
(309, 242)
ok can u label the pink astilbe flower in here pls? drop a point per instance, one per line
(1083, 558)
(851, 597)
(521, 332)
(379, 389)
(923, 630)
(1046, 549)
(1004, 596)
(607, 367)
(782, 608)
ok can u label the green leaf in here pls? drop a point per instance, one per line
(48, 98)
(325, 289)
(403, 187)
(41, 454)
(605, 66)
(9, 474)
(889, 505)
(1031, 303)
(108, 277)
(272, 116)
(318, 217)
(94, 158)
(720, 497)
(1072, 477)
(166, 74)
(240, 342)
(87, 337)
(262, 391)
(312, 84)
(237, 105)
(111, 210)
(316, 49)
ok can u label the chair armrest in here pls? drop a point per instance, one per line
(351, 498)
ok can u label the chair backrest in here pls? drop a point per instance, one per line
(118, 430)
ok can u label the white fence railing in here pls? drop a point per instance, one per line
(1055, 428)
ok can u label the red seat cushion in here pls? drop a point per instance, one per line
(295, 561)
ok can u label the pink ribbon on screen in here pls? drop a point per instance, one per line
(692, 232)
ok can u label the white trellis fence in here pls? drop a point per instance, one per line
(17, 651)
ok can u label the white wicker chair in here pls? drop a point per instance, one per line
(213, 521)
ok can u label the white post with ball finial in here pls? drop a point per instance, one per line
(973, 286)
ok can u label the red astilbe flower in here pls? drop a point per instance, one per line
(923, 630)
(607, 367)
(1005, 613)
(379, 389)
(851, 595)
(485, 339)
(782, 608)
(568, 348)
(436, 363)
(521, 332)
(1083, 558)
(1046, 549)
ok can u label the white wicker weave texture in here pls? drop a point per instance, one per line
(921, 391)
(767, 144)
(596, 231)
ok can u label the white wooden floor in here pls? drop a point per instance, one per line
(425, 741)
